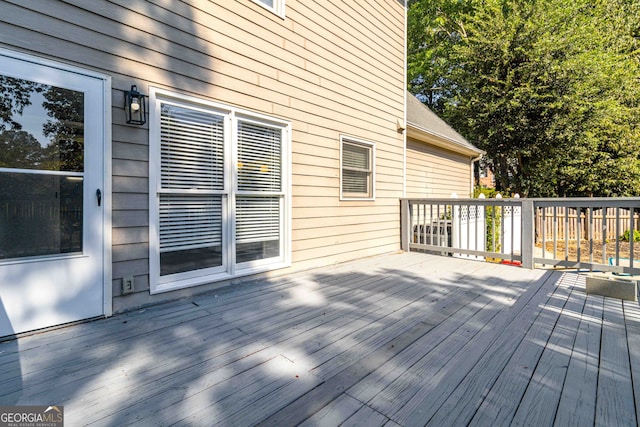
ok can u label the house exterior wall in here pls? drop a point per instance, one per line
(330, 68)
(436, 172)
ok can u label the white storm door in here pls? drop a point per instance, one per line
(51, 183)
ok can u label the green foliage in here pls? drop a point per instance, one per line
(434, 27)
(489, 193)
(627, 235)
(549, 89)
(493, 219)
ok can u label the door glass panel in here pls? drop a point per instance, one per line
(41, 126)
(40, 214)
(41, 169)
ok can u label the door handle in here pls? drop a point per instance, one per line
(99, 196)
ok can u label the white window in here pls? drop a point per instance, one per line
(357, 175)
(259, 192)
(276, 6)
(191, 189)
(218, 192)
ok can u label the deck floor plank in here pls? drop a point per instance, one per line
(542, 396)
(443, 394)
(385, 375)
(366, 417)
(335, 413)
(632, 323)
(428, 366)
(397, 340)
(615, 401)
(268, 341)
(502, 401)
(578, 400)
(301, 327)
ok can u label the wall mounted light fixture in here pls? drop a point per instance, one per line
(135, 106)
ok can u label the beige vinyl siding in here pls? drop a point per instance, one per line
(331, 68)
(436, 172)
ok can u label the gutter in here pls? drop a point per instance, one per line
(473, 160)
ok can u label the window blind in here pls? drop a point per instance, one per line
(257, 219)
(190, 221)
(355, 156)
(259, 158)
(356, 168)
(192, 160)
(192, 150)
(259, 171)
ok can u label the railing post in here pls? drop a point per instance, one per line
(528, 233)
(405, 225)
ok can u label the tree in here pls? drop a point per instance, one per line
(434, 27)
(19, 149)
(549, 89)
(15, 95)
(65, 128)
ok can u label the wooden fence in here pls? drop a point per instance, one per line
(589, 223)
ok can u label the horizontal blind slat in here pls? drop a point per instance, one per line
(257, 219)
(259, 157)
(189, 222)
(192, 149)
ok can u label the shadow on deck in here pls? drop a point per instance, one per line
(402, 339)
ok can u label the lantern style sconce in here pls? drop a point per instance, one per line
(135, 106)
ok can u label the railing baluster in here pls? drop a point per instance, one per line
(578, 236)
(430, 228)
(590, 234)
(502, 228)
(513, 224)
(435, 223)
(475, 228)
(555, 232)
(459, 210)
(631, 235)
(493, 229)
(604, 234)
(566, 234)
(421, 232)
(470, 226)
(618, 234)
(544, 232)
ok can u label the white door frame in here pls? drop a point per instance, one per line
(107, 294)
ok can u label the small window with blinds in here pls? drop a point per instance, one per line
(191, 184)
(356, 169)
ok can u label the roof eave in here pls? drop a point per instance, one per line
(417, 132)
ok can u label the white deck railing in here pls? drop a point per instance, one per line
(583, 233)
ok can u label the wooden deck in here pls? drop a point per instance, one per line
(403, 339)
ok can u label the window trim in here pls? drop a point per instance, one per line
(372, 177)
(278, 7)
(230, 268)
